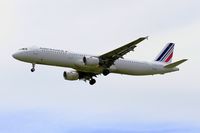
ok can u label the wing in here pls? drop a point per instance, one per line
(109, 58)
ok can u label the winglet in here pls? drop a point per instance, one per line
(172, 65)
(147, 37)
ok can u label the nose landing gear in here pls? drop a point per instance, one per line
(33, 68)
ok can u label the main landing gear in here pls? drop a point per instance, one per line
(33, 68)
(92, 81)
(105, 72)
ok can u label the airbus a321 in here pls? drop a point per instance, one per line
(87, 67)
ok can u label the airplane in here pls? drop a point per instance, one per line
(87, 67)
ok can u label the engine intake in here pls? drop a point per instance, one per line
(73, 75)
(91, 61)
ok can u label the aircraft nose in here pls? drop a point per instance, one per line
(15, 55)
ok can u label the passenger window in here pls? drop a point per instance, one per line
(23, 49)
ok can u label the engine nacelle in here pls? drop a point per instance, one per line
(73, 75)
(91, 61)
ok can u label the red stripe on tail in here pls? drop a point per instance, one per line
(169, 58)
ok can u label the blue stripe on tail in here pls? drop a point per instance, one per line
(165, 51)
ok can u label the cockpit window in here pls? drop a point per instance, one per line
(23, 49)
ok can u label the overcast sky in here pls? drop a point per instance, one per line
(44, 102)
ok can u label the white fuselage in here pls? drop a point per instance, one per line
(63, 58)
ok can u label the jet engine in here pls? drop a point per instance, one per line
(73, 75)
(91, 61)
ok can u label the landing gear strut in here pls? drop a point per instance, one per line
(92, 81)
(106, 72)
(33, 68)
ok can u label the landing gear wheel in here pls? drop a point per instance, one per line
(92, 81)
(32, 70)
(106, 72)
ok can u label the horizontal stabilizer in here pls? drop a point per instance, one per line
(172, 65)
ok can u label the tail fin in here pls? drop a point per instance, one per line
(166, 54)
